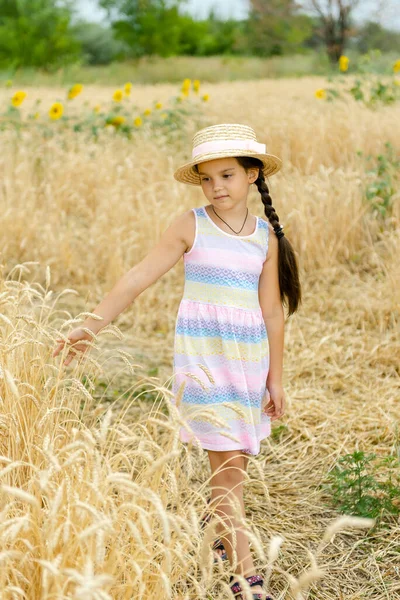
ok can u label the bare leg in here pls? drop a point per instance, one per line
(226, 483)
(246, 462)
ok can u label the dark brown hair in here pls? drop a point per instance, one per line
(289, 282)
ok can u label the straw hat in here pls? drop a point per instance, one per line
(225, 140)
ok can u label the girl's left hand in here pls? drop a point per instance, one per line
(276, 405)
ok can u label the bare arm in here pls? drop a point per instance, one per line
(272, 310)
(158, 261)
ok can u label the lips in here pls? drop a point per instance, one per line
(218, 197)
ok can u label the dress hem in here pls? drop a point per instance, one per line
(218, 447)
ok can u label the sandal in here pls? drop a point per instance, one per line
(252, 580)
(218, 544)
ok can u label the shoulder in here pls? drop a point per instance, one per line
(184, 225)
(272, 239)
(267, 223)
(184, 220)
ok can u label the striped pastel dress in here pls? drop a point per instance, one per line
(220, 327)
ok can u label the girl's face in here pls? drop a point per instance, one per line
(225, 183)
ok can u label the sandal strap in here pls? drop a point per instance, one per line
(255, 580)
(252, 580)
(218, 545)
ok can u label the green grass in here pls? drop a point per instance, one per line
(174, 69)
(153, 69)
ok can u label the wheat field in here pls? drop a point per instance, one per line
(99, 499)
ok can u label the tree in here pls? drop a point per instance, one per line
(147, 26)
(99, 47)
(336, 24)
(36, 33)
(275, 27)
(372, 36)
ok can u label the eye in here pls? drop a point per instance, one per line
(230, 175)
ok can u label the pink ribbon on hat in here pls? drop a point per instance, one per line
(218, 145)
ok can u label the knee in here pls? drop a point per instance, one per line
(230, 474)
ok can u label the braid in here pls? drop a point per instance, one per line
(269, 210)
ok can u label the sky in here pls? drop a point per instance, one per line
(389, 16)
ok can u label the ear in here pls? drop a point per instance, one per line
(252, 174)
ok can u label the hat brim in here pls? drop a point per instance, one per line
(186, 174)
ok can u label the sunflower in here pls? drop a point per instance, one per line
(36, 115)
(147, 112)
(396, 66)
(320, 94)
(205, 98)
(186, 85)
(118, 95)
(56, 111)
(117, 120)
(75, 90)
(196, 85)
(18, 98)
(158, 105)
(97, 108)
(128, 88)
(138, 122)
(344, 63)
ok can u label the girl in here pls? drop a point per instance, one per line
(239, 271)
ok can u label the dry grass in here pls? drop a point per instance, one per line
(99, 499)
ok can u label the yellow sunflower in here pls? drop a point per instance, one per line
(147, 112)
(320, 94)
(138, 122)
(18, 98)
(75, 90)
(206, 97)
(186, 84)
(196, 85)
(117, 120)
(396, 66)
(56, 111)
(344, 63)
(118, 95)
(158, 105)
(128, 88)
(97, 108)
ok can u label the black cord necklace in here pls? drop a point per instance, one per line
(247, 212)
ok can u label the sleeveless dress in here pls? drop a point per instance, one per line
(220, 327)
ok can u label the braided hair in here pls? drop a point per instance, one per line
(289, 282)
(267, 201)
